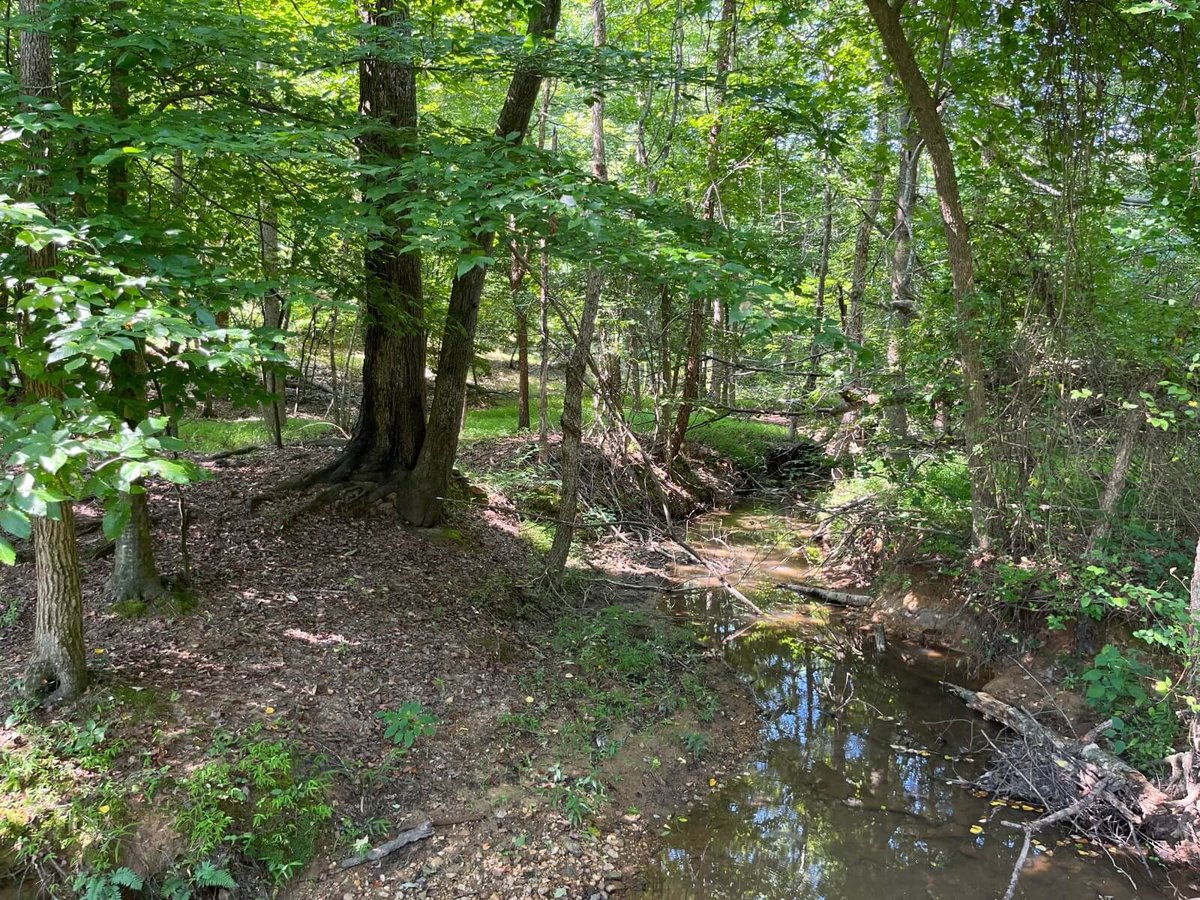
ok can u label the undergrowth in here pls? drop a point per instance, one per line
(253, 811)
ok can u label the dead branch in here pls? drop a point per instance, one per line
(839, 598)
(403, 839)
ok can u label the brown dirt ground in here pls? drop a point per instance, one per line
(308, 630)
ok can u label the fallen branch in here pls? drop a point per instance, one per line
(403, 839)
(839, 598)
(1097, 793)
(239, 451)
(719, 575)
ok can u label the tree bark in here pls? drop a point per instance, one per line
(962, 267)
(572, 415)
(544, 300)
(58, 665)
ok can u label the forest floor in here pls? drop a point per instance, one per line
(561, 747)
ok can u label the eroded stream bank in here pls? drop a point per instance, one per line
(861, 783)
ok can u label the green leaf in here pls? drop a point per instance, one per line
(8, 553)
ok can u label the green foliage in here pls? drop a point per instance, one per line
(696, 744)
(1145, 725)
(106, 885)
(404, 725)
(256, 798)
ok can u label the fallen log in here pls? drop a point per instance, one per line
(838, 598)
(403, 839)
(1123, 805)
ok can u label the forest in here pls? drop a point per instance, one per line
(622, 448)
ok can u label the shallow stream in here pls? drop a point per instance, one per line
(859, 788)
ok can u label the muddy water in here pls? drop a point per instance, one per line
(857, 789)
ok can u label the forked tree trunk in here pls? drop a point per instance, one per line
(572, 416)
(395, 448)
(57, 663)
(420, 499)
(962, 266)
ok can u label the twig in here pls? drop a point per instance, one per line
(403, 839)
(1044, 822)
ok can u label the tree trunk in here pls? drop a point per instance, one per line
(814, 350)
(572, 416)
(391, 421)
(903, 307)
(57, 664)
(516, 277)
(274, 380)
(420, 501)
(962, 266)
(696, 317)
(135, 574)
(856, 324)
(544, 301)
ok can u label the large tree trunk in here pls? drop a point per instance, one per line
(696, 317)
(391, 420)
(58, 663)
(962, 266)
(572, 416)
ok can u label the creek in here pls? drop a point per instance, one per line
(860, 786)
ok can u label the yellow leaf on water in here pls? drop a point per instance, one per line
(976, 829)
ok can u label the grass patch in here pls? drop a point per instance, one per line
(744, 442)
(215, 435)
(500, 420)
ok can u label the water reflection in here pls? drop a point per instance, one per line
(856, 792)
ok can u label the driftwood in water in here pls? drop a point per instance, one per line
(839, 598)
(403, 839)
(1123, 805)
